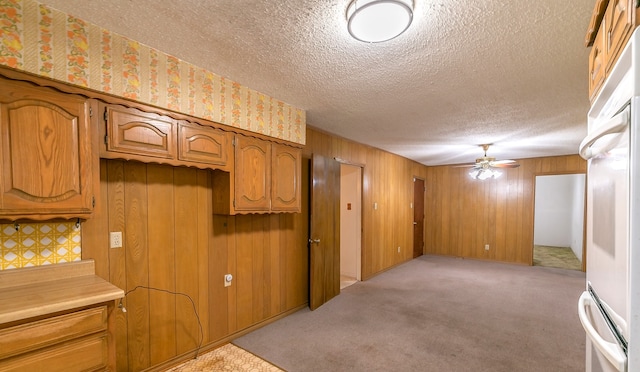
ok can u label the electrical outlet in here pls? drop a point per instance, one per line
(227, 280)
(486, 247)
(115, 239)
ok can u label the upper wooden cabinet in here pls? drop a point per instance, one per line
(202, 144)
(285, 180)
(617, 20)
(597, 63)
(132, 134)
(46, 158)
(252, 175)
(618, 24)
(135, 132)
(265, 179)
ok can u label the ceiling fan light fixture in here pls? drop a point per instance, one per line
(375, 21)
(484, 173)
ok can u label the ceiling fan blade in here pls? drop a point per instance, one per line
(502, 162)
(464, 166)
(505, 165)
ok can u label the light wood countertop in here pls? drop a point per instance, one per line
(41, 290)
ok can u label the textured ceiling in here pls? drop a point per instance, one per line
(512, 73)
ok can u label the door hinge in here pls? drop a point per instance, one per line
(233, 142)
(105, 116)
(90, 111)
(93, 202)
(234, 203)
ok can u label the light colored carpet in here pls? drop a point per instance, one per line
(227, 358)
(437, 313)
(560, 257)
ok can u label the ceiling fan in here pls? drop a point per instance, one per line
(488, 167)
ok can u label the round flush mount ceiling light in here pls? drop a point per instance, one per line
(374, 21)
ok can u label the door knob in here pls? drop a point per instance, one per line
(317, 241)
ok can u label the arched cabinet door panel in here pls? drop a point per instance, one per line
(46, 156)
(202, 144)
(285, 180)
(252, 174)
(131, 131)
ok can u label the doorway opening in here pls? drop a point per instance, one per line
(350, 224)
(558, 236)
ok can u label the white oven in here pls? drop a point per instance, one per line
(609, 309)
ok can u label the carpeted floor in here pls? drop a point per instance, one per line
(559, 257)
(437, 314)
(227, 358)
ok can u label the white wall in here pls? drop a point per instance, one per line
(559, 211)
(350, 220)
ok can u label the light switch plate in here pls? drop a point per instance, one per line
(115, 239)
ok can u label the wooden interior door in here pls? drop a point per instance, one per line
(324, 240)
(418, 217)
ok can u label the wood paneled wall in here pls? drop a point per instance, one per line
(387, 215)
(174, 242)
(462, 214)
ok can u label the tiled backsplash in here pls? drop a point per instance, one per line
(35, 244)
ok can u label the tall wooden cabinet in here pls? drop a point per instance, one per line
(46, 159)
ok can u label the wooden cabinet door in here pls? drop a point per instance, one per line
(618, 20)
(136, 132)
(202, 144)
(46, 153)
(597, 63)
(252, 175)
(285, 178)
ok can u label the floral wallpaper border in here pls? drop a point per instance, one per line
(47, 42)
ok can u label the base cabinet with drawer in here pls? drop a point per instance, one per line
(57, 317)
(76, 341)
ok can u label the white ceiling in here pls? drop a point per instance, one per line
(512, 73)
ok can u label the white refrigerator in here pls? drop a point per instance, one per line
(609, 308)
